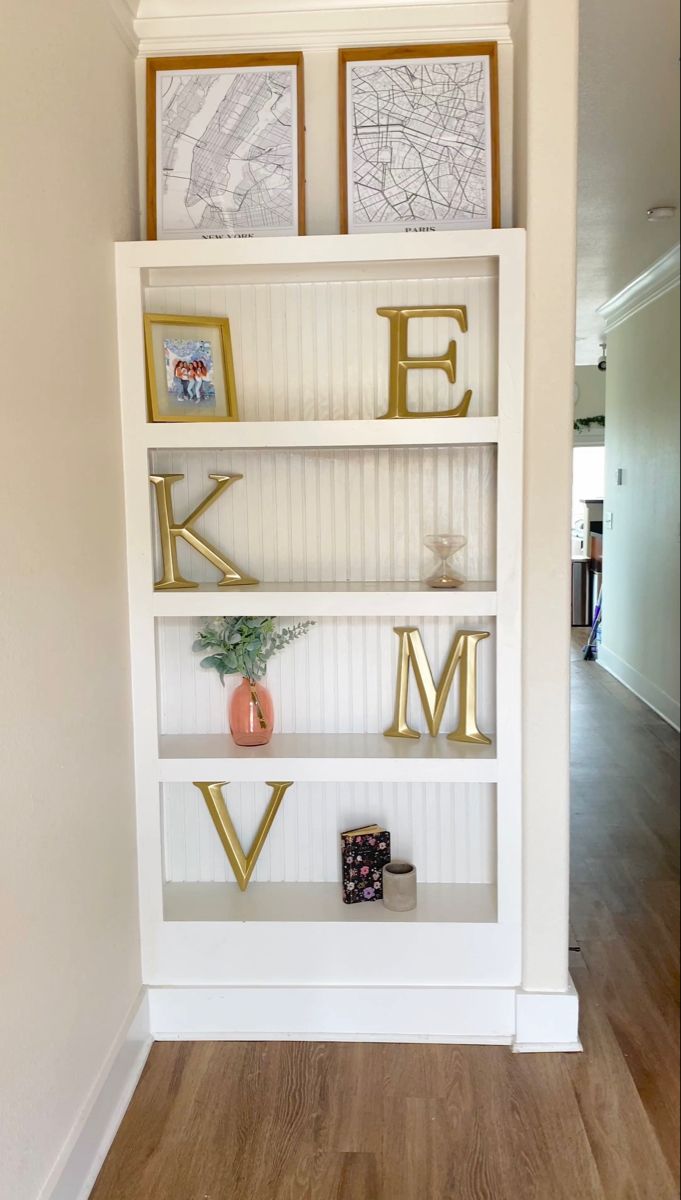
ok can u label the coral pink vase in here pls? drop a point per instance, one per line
(251, 714)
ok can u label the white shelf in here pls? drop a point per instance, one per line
(329, 600)
(324, 757)
(263, 435)
(460, 903)
(326, 249)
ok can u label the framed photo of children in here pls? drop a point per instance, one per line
(419, 138)
(190, 370)
(225, 146)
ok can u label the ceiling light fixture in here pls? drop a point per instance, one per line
(663, 212)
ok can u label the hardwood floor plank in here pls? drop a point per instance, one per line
(614, 1117)
(359, 1177)
(547, 1147)
(352, 1123)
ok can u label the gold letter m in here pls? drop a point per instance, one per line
(434, 699)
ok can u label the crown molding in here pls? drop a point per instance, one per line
(659, 279)
(313, 24)
(193, 9)
(122, 14)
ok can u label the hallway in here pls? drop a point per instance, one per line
(309, 1121)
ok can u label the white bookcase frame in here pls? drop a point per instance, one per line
(207, 959)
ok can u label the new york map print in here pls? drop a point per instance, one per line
(419, 144)
(228, 161)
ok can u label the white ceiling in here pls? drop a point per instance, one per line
(628, 149)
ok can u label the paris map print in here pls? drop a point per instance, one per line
(227, 165)
(419, 144)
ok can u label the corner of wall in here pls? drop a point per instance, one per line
(81, 1158)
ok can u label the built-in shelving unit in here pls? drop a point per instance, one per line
(378, 482)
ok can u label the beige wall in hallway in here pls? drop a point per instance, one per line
(68, 935)
(641, 551)
(590, 401)
(546, 47)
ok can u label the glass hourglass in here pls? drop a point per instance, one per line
(444, 546)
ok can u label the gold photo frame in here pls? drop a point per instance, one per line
(200, 177)
(190, 378)
(385, 184)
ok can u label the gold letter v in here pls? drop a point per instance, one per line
(243, 865)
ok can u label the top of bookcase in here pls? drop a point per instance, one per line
(327, 249)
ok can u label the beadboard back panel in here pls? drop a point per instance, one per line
(339, 678)
(317, 350)
(447, 831)
(339, 515)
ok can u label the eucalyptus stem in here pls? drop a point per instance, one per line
(256, 701)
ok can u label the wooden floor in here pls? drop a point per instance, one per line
(292, 1121)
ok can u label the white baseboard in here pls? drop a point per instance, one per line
(661, 703)
(528, 1021)
(359, 1014)
(81, 1158)
(546, 1022)
(547, 1048)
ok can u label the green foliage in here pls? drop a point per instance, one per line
(587, 422)
(243, 645)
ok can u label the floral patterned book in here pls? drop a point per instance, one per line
(364, 853)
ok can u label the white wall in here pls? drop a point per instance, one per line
(545, 40)
(591, 397)
(590, 402)
(69, 956)
(641, 551)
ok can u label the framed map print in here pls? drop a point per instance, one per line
(225, 146)
(419, 141)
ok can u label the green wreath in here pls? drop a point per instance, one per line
(587, 422)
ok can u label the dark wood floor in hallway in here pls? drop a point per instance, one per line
(306, 1121)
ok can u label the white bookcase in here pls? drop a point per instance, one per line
(331, 514)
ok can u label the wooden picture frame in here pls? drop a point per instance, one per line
(177, 391)
(166, 220)
(394, 56)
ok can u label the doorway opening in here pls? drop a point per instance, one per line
(588, 480)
